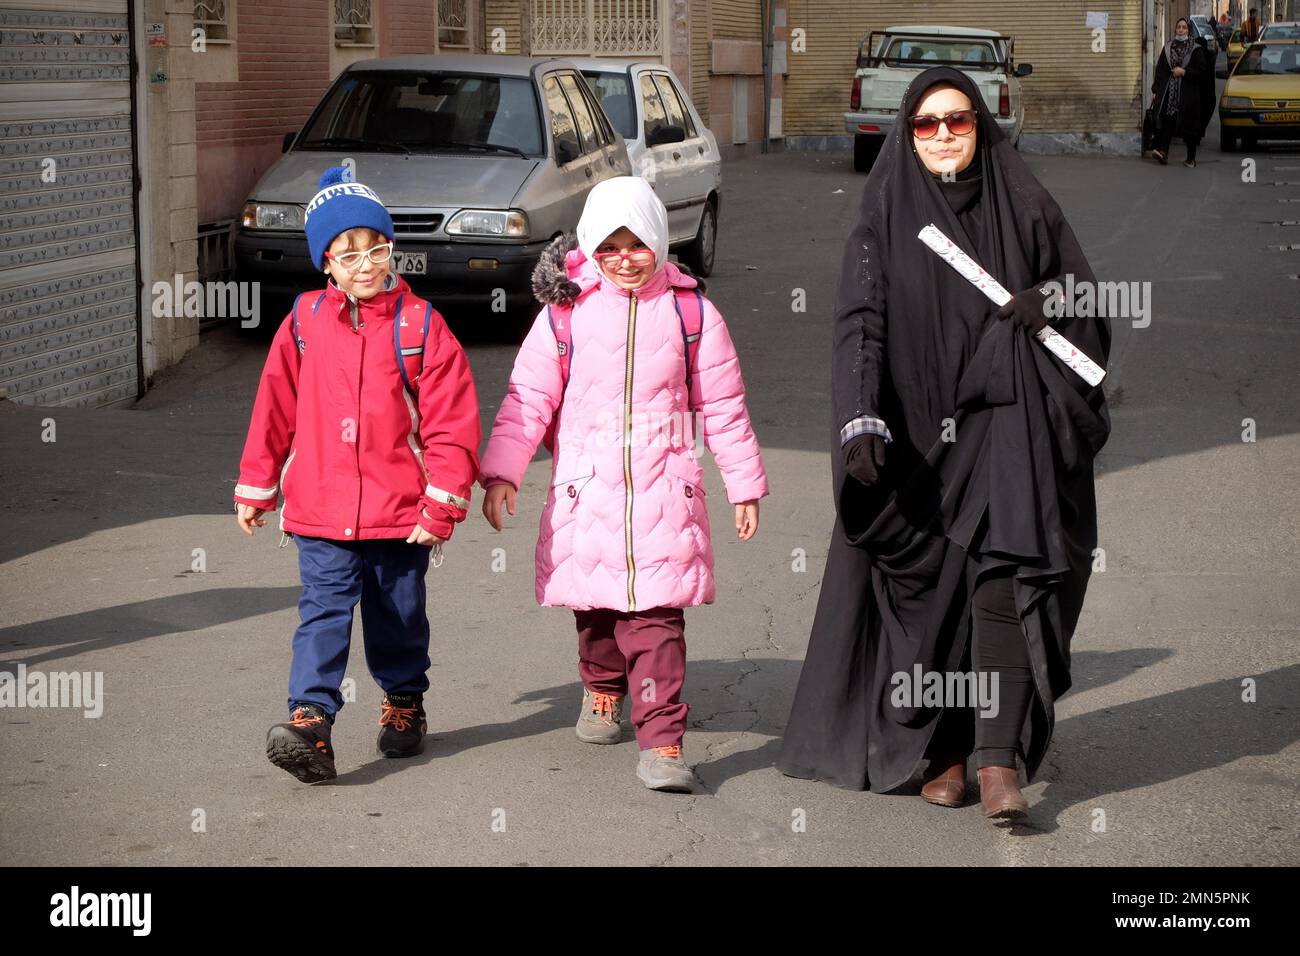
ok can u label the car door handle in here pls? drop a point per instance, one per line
(700, 150)
(677, 155)
(588, 172)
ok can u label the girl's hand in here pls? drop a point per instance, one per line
(496, 494)
(746, 520)
(249, 518)
(420, 536)
(1179, 71)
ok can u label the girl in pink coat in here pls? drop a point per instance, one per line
(624, 537)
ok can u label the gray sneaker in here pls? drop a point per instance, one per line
(600, 721)
(662, 768)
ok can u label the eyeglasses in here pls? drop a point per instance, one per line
(352, 260)
(926, 125)
(638, 257)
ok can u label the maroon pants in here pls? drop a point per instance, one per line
(641, 656)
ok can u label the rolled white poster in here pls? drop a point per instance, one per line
(1056, 343)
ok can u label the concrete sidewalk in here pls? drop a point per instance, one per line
(1157, 758)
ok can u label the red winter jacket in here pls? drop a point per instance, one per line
(335, 433)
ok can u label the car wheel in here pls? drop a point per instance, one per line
(1227, 140)
(699, 254)
(865, 151)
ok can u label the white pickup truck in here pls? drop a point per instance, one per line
(889, 59)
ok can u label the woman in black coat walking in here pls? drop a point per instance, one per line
(1179, 93)
(962, 466)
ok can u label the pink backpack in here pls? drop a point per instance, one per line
(690, 313)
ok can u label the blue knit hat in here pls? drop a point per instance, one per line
(340, 205)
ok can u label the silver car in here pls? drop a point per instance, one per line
(669, 145)
(480, 159)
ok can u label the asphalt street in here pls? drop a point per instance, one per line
(1177, 745)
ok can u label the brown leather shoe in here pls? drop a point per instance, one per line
(1000, 794)
(945, 782)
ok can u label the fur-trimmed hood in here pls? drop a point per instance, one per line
(563, 273)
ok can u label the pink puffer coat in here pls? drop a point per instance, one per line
(625, 525)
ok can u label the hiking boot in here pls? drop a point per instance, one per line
(599, 721)
(302, 745)
(662, 768)
(402, 725)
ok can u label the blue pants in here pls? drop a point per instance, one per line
(387, 576)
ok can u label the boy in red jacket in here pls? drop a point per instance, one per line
(368, 429)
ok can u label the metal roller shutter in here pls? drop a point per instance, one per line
(68, 273)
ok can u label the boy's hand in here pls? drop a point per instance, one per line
(420, 536)
(746, 520)
(492, 499)
(249, 518)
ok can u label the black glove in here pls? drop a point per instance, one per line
(1029, 308)
(864, 456)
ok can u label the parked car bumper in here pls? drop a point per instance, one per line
(880, 124)
(280, 262)
(1247, 123)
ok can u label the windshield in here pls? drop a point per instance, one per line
(924, 51)
(387, 111)
(1264, 59)
(614, 93)
(1282, 31)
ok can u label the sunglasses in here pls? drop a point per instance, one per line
(352, 260)
(638, 257)
(926, 125)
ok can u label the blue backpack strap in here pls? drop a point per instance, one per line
(411, 350)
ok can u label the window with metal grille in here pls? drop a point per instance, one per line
(354, 23)
(213, 18)
(453, 25)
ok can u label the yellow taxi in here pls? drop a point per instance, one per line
(1236, 47)
(1261, 99)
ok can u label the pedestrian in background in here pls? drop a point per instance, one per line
(1179, 93)
(1253, 26)
(366, 431)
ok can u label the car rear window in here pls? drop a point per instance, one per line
(426, 112)
(1278, 59)
(614, 93)
(917, 51)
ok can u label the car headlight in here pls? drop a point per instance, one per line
(1236, 103)
(501, 223)
(262, 215)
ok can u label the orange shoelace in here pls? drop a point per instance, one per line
(673, 751)
(602, 705)
(304, 718)
(400, 718)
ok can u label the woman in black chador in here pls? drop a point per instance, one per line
(962, 469)
(1182, 74)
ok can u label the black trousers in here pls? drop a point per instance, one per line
(997, 646)
(1165, 135)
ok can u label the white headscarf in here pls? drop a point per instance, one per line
(624, 201)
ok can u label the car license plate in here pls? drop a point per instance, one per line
(1279, 117)
(409, 263)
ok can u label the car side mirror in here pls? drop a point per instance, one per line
(665, 135)
(287, 142)
(565, 152)
(1023, 69)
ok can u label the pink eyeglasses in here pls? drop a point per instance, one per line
(638, 257)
